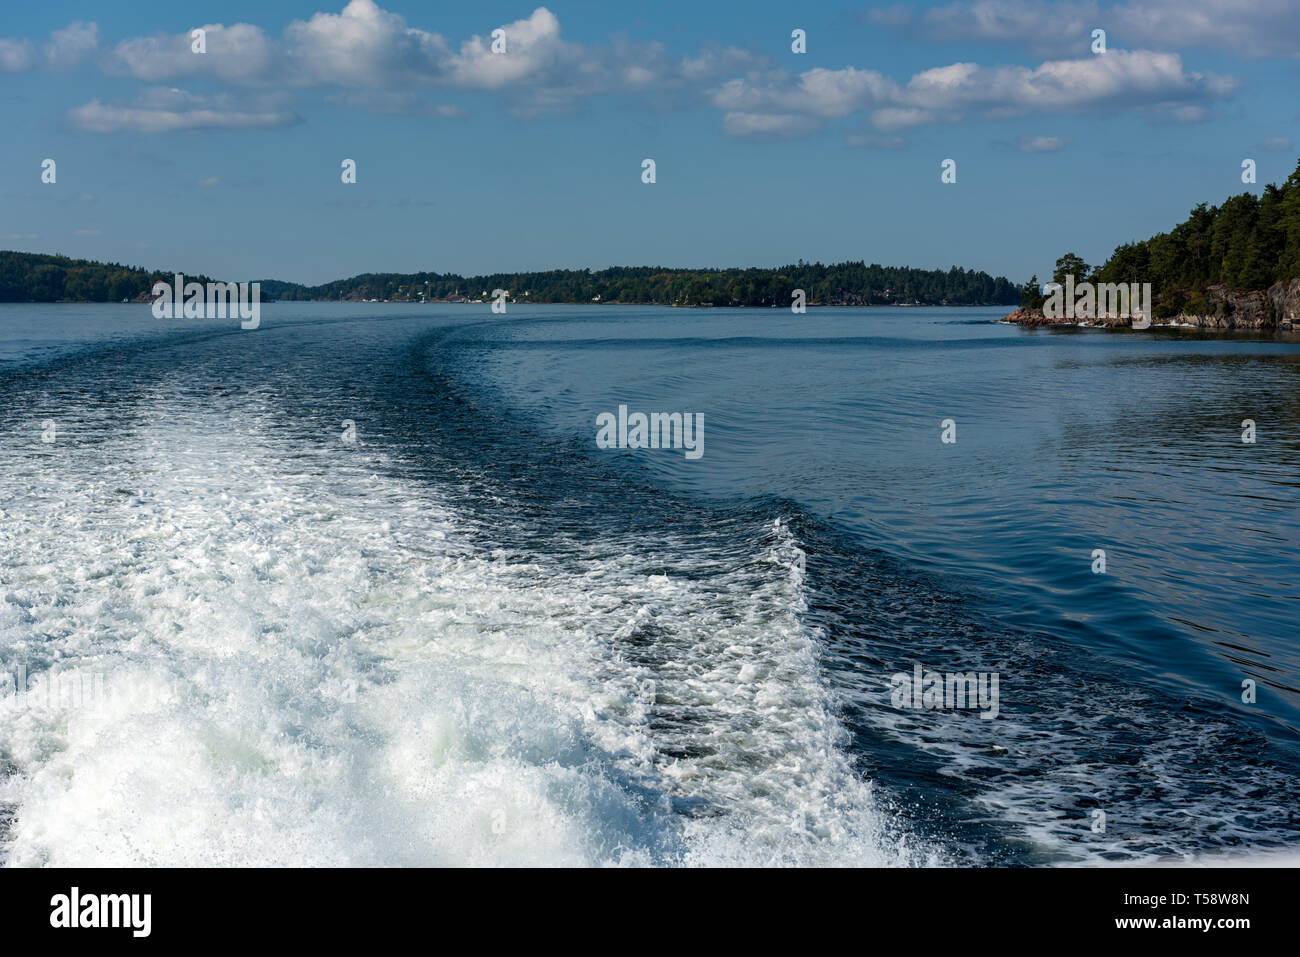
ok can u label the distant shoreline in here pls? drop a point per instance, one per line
(38, 277)
(526, 302)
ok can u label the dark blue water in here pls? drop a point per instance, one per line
(632, 656)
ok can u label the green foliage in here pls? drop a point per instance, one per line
(1070, 265)
(1198, 304)
(1031, 294)
(27, 277)
(850, 283)
(31, 277)
(1249, 242)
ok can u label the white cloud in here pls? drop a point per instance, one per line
(820, 92)
(240, 53)
(1044, 27)
(1120, 80)
(767, 125)
(65, 49)
(366, 48)
(533, 46)
(71, 45)
(1044, 144)
(363, 46)
(901, 118)
(1250, 28)
(368, 58)
(16, 55)
(168, 111)
(1276, 144)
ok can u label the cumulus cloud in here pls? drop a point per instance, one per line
(364, 46)
(367, 48)
(65, 49)
(240, 53)
(534, 47)
(171, 110)
(71, 45)
(368, 58)
(1249, 28)
(16, 55)
(820, 92)
(1120, 80)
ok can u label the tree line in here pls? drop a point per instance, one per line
(27, 277)
(31, 277)
(842, 284)
(1247, 243)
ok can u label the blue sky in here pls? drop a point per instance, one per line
(471, 161)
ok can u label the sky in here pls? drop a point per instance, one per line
(468, 160)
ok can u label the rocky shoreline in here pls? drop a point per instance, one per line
(1276, 308)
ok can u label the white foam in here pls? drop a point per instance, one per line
(309, 661)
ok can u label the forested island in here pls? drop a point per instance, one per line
(30, 277)
(1232, 266)
(842, 284)
(33, 277)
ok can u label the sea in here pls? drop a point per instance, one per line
(360, 587)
